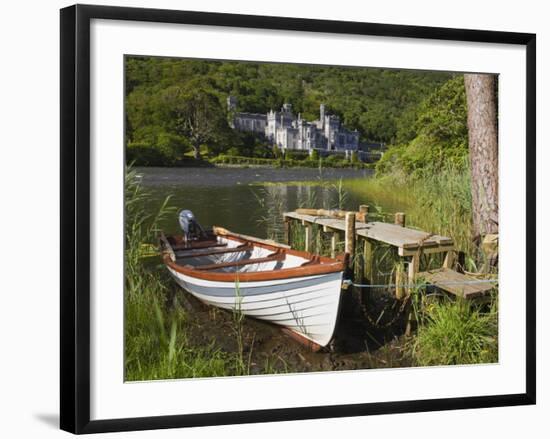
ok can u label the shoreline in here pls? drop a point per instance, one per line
(208, 165)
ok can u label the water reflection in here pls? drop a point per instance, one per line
(232, 198)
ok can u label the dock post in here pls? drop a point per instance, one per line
(449, 260)
(334, 238)
(363, 215)
(399, 290)
(368, 258)
(400, 219)
(308, 230)
(414, 266)
(287, 230)
(350, 235)
(367, 272)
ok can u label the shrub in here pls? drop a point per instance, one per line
(232, 152)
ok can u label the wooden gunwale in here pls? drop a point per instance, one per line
(325, 265)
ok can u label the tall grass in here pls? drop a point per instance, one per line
(156, 341)
(456, 332)
(437, 201)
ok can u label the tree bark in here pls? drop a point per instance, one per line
(483, 146)
(197, 152)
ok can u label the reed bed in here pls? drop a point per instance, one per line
(156, 324)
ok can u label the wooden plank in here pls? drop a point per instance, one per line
(323, 212)
(449, 280)
(396, 235)
(425, 251)
(277, 257)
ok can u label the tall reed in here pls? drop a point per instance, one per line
(155, 324)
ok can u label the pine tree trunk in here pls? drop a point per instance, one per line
(483, 146)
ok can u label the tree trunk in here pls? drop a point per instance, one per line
(483, 146)
(197, 152)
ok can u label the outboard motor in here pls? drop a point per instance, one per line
(192, 230)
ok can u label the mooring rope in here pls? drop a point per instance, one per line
(348, 282)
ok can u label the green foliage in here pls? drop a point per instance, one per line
(277, 153)
(314, 156)
(334, 159)
(456, 332)
(194, 113)
(233, 152)
(378, 102)
(440, 134)
(296, 155)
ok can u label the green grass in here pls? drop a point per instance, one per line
(156, 326)
(456, 332)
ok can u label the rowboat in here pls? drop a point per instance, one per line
(260, 278)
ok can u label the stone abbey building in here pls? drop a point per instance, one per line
(288, 131)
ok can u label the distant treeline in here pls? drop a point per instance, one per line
(175, 106)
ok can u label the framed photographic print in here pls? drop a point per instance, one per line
(268, 218)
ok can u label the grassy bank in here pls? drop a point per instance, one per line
(288, 162)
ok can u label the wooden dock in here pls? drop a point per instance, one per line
(410, 244)
(408, 241)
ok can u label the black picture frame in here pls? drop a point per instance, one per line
(75, 217)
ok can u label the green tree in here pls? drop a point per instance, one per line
(440, 130)
(195, 114)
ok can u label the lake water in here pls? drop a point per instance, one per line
(249, 200)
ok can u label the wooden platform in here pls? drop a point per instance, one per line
(455, 283)
(408, 241)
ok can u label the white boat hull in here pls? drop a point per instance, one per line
(307, 305)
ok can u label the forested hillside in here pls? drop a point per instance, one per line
(384, 105)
